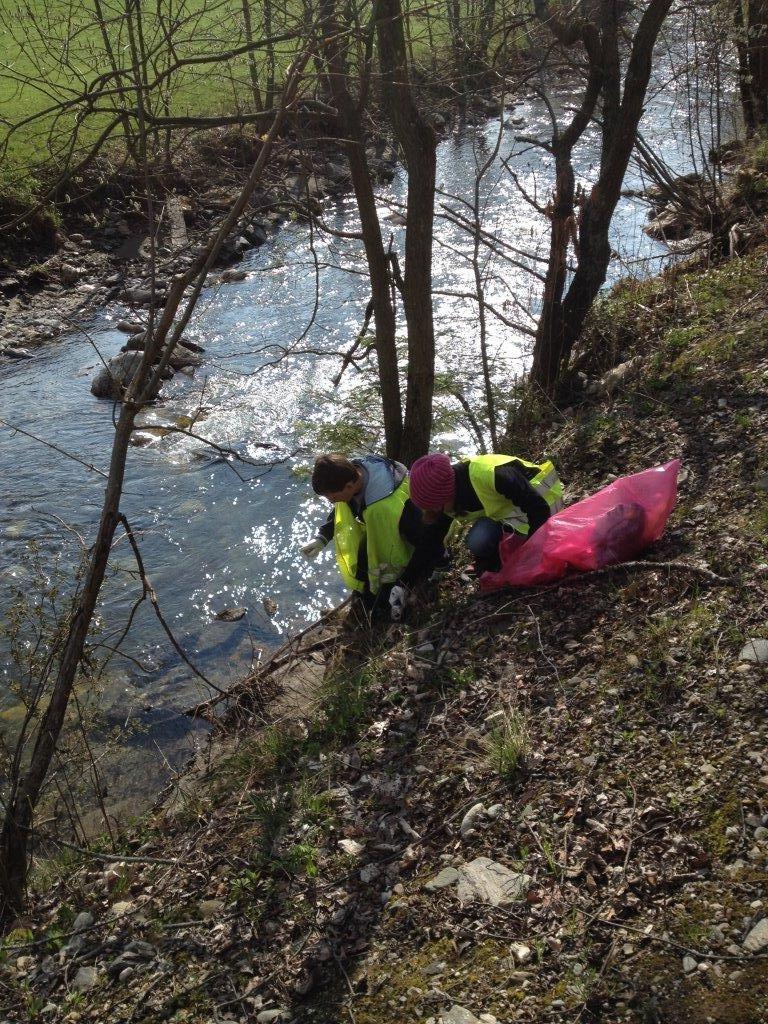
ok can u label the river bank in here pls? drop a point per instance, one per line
(210, 540)
(534, 806)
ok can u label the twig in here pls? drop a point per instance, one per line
(150, 591)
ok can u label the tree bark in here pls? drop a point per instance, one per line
(562, 319)
(350, 125)
(418, 142)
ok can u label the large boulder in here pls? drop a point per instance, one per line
(182, 357)
(112, 379)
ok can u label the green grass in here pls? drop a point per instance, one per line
(508, 744)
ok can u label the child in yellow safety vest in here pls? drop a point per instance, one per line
(383, 545)
(497, 494)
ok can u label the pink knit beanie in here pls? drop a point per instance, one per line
(432, 481)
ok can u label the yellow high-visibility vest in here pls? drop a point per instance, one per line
(388, 553)
(495, 506)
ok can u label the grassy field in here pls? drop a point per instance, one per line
(53, 51)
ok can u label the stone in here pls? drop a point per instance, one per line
(76, 237)
(471, 819)
(233, 275)
(446, 877)
(126, 973)
(230, 614)
(369, 873)
(17, 353)
(351, 847)
(121, 908)
(69, 273)
(82, 921)
(116, 375)
(129, 327)
(267, 1016)
(487, 881)
(436, 967)
(755, 650)
(458, 1015)
(521, 952)
(757, 939)
(689, 964)
(182, 357)
(495, 811)
(210, 908)
(84, 979)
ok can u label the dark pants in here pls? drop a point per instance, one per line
(483, 541)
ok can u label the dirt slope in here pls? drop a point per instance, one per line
(332, 864)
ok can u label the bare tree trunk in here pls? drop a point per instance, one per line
(418, 142)
(252, 66)
(25, 792)
(350, 124)
(563, 318)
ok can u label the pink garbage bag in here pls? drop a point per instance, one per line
(608, 527)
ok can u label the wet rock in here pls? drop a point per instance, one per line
(137, 343)
(337, 172)
(757, 940)
(233, 275)
(113, 378)
(230, 614)
(755, 650)
(69, 273)
(129, 327)
(17, 353)
(181, 357)
(444, 878)
(487, 881)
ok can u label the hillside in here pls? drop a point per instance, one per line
(590, 757)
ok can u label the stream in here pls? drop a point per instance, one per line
(209, 539)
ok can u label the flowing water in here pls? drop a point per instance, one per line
(209, 539)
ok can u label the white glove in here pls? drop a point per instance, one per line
(312, 549)
(398, 598)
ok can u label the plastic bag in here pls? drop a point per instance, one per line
(608, 527)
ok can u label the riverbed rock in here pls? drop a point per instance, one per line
(113, 378)
(69, 273)
(130, 327)
(230, 614)
(233, 275)
(182, 357)
(671, 223)
(487, 881)
(17, 353)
